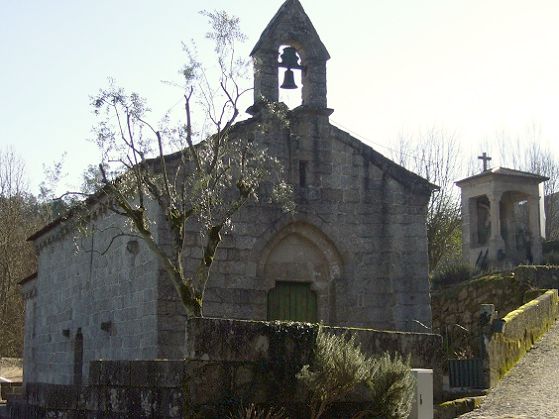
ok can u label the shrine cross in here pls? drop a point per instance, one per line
(485, 159)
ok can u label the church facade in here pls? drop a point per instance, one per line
(354, 253)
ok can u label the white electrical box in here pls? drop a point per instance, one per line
(422, 405)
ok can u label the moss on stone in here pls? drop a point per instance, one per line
(460, 305)
(454, 408)
(478, 401)
(532, 294)
(507, 349)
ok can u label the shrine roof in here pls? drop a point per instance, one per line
(504, 171)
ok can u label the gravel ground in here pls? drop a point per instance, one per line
(529, 390)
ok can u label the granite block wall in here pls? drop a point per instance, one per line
(287, 346)
(456, 308)
(95, 297)
(359, 214)
(363, 212)
(538, 276)
(231, 364)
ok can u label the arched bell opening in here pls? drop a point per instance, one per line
(290, 76)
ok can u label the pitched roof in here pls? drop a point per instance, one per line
(98, 195)
(394, 170)
(291, 24)
(90, 200)
(503, 171)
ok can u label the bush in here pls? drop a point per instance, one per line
(339, 366)
(253, 412)
(451, 273)
(391, 386)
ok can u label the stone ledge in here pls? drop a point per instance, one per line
(520, 329)
(539, 276)
(455, 408)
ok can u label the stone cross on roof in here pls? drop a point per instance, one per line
(485, 159)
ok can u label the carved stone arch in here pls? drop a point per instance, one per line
(309, 219)
(300, 253)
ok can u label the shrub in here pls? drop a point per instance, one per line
(451, 273)
(338, 367)
(391, 387)
(253, 412)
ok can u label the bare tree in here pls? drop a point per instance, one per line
(435, 155)
(12, 173)
(19, 217)
(208, 180)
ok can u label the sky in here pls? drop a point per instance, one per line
(473, 68)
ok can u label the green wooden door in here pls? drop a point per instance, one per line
(292, 301)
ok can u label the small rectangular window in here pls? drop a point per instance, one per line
(302, 173)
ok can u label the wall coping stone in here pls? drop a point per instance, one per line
(518, 331)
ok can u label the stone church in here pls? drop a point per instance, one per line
(353, 254)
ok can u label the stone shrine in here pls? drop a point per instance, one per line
(502, 218)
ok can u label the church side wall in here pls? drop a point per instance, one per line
(110, 299)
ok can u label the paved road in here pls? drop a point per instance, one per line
(531, 389)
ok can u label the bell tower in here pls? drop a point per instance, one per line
(290, 42)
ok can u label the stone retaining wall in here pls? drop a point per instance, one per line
(538, 276)
(10, 370)
(515, 334)
(7, 389)
(289, 345)
(457, 308)
(231, 363)
(168, 389)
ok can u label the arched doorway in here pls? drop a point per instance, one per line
(300, 266)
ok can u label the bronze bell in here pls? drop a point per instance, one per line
(288, 80)
(289, 58)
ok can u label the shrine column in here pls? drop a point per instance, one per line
(496, 241)
(535, 228)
